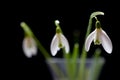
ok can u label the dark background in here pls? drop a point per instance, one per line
(40, 16)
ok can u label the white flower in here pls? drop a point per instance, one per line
(100, 37)
(29, 47)
(59, 41)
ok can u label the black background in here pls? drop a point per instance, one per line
(40, 16)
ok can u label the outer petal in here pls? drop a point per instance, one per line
(65, 43)
(54, 45)
(29, 47)
(89, 40)
(106, 42)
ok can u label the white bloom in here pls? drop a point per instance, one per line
(100, 37)
(59, 41)
(29, 47)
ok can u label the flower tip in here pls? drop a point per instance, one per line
(28, 56)
(57, 22)
(87, 48)
(109, 51)
(101, 13)
(54, 50)
(53, 54)
(22, 24)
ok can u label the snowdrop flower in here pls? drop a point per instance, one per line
(29, 47)
(100, 37)
(58, 41)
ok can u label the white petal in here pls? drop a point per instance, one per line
(31, 50)
(89, 40)
(65, 43)
(34, 50)
(27, 52)
(106, 42)
(54, 45)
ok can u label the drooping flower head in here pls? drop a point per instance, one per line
(59, 41)
(29, 45)
(99, 36)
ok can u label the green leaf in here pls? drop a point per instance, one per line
(75, 51)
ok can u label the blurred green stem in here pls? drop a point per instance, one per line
(29, 32)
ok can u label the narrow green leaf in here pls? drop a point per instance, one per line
(75, 53)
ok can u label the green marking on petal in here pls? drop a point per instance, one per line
(97, 42)
(60, 45)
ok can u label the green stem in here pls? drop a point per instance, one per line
(74, 57)
(84, 53)
(96, 65)
(41, 48)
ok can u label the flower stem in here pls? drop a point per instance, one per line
(41, 48)
(84, 53)
(94, 14)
